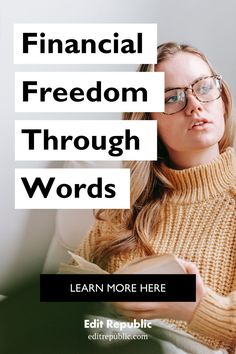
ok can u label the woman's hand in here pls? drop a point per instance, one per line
(176, 310)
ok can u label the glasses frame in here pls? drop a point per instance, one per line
(219, 77)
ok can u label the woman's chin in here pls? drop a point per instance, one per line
(204, 142)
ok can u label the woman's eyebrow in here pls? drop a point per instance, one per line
(179, 87)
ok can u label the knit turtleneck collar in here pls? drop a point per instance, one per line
(205, 181)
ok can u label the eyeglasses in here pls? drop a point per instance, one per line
(205, 89)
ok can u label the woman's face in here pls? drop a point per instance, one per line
(177, 131)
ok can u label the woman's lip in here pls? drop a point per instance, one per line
(198, 120)
(201, 126)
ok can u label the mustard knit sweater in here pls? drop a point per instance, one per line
(199, 226)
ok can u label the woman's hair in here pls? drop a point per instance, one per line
(133, 228)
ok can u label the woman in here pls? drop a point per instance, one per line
(184, 203)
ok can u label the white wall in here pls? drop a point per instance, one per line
(207, 24)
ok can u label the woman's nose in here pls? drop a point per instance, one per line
(193, 104)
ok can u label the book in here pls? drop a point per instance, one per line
(157, 264)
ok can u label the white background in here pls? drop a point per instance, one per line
(120, 178)
(145, 131)
(97, 32)
(152, 82)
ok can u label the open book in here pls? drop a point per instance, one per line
(164, 264)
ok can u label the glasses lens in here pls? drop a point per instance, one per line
(175, 101)
(207, 89)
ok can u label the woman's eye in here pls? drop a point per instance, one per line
(171, 99)
(204, 89)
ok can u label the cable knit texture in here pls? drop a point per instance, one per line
(199, 225)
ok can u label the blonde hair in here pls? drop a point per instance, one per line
(133, 228)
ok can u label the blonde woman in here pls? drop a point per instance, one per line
(184, 203)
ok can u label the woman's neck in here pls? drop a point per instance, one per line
(180, 160)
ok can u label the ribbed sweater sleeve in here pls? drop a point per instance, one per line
(216, 317)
